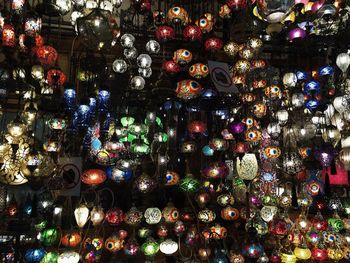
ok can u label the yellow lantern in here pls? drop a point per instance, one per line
(302, 253)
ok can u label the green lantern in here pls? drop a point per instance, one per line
(189, 184)
(161, 137)
(140, 148)
(144, 232)
(40, 226)
(50, 257)
(49, 236)
(336, 223)
(138, 129)
(127, 121)
(346, 205)
(150, 247)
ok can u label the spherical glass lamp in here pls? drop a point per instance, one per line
(119, 66)
(343, 61)
(274, 11)
(168, 247)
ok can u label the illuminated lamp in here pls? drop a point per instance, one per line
(34, 255)
(56, 77)
(81, 214)
(192, 33)
(32, 25)
(49, 236)
(296, 33)
(71, 240)
(150, 247)
(213, 44)
(236, 4)
(170, 67)
(164, 33)
(47, 55)
(93, 177)
(114, 216)
(168, 247)
(8, 35)
(68, 257)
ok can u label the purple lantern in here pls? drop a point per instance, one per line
(236, 127)
(296, 33)
(325, 154)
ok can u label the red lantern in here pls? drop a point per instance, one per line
(341, 176)
(170, 67)
(197, 127)
(71, 239)
(278, 227)
(213, 44)
(192, 33)
(47, 55)
(240, 147)
(319, 254)
(39, 41)
(56, 77)
(275, 259)
(8, 35)
(165, 33)
(115, 216)
(236, 4)
(142, 6)
(162, 231)
(93, 177)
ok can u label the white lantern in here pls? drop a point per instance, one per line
(119, 66)
(298, 100)
(340, 104)
(81, 214)
(343, 61)
(97, 215)
(338, 121)
(68, 257)
(152, 47)
(344, 157)
(137, 83)
(345, 142)
(144, 61)
(268, 212)
(37, 72)
(247, 167)
(168, 247)
(153, 215)
(290, 80)
(282, 117)
(127, 40)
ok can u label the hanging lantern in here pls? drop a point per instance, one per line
(93, 177)
(150, 247)
(170, 67)
(68, 257)
(229, 213)
(215, 170)
(170, 213)
(50, 257)
(343, 61)
(198, 71)
(49, 237)
(97, 215)
(213, 44)
(206, 215)
(164, 33)
(8, 35)
(71, 240)
(182, 57)
(47, 56)
(32, 25)
(247, 167)
(114, 243)
(189, 184)
(81, 214)
(153, 215)
(133, 217)
(274, 11)
(188, 89)
(114, 216)
(192, 33)
(168, 247)
(177, 15)
(34, 255)
(131, 248)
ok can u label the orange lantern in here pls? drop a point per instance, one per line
(47, 55)
(71, 239)
(229, 213)
(93, 177)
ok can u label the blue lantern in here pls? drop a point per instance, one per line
(83, 116)
(326, 70)
(312, 87)
(312, 104)
(220, 256)
(28, 207)
(103, 100)
(301, 75)
(207, 150)
(34, 255)
(69, 99)
(118, 175)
